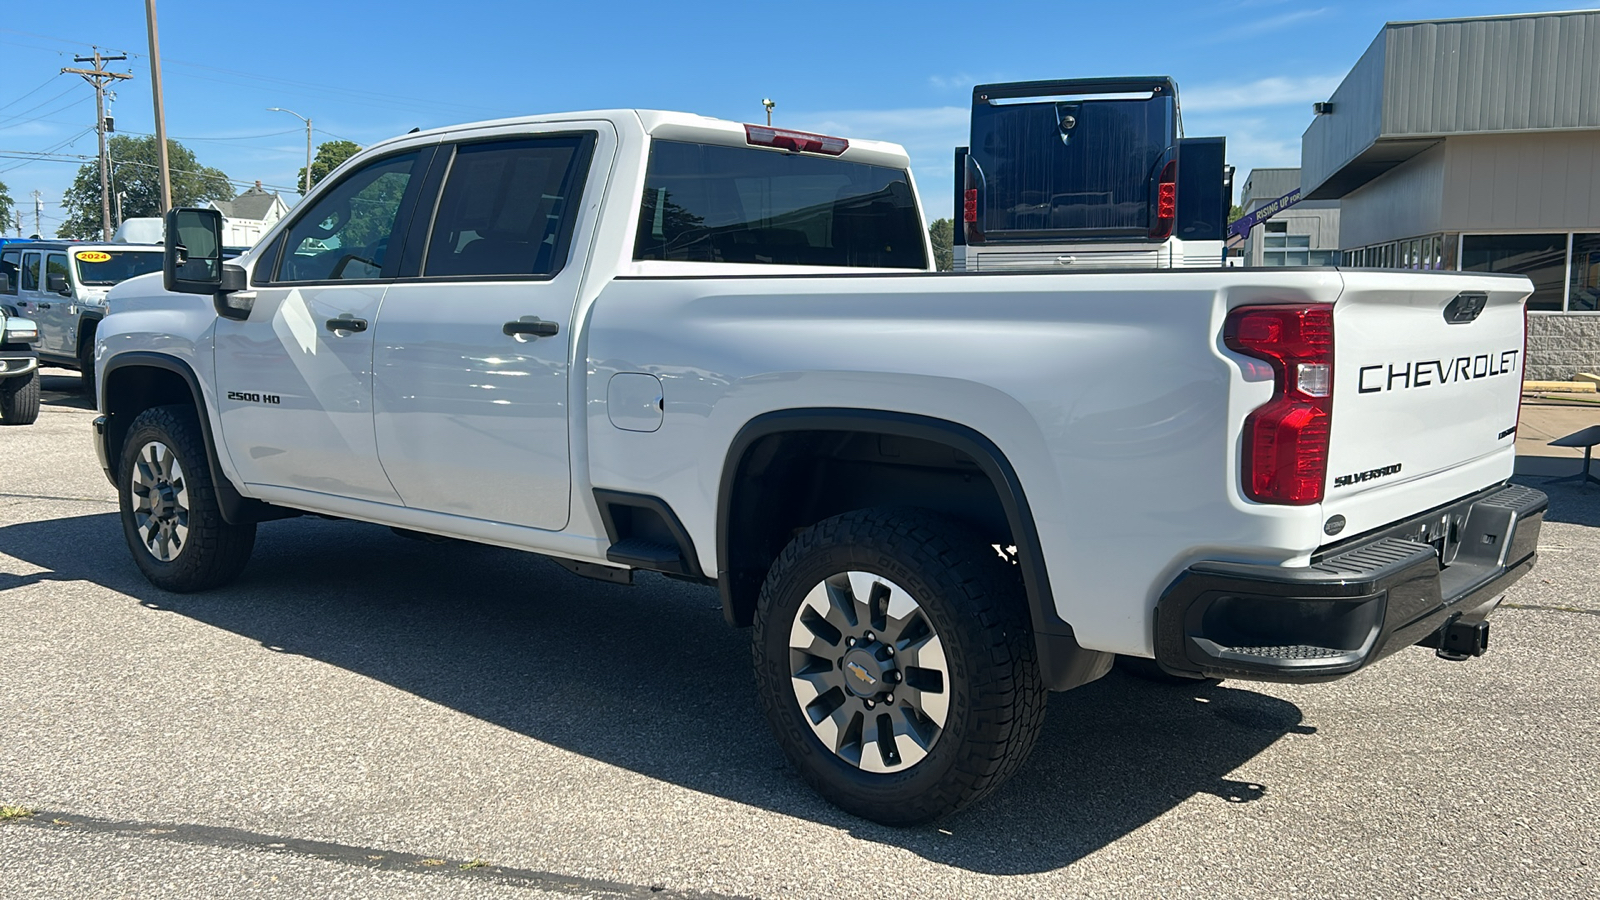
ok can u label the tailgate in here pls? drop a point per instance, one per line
(1427, 379)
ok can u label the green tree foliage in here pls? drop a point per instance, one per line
(136, 172)
(1235, 213)
(329, 155)
(943, 233)
(8, 208)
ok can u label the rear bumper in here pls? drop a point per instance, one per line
(1430, 579)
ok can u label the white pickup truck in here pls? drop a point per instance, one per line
(644, 340)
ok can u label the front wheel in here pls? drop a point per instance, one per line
(19, 399)
(170, 515)
(896, 666)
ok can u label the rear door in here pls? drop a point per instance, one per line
(1428, 374)
(472, 354)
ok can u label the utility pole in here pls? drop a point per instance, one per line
(38, 212)
(307, 189)
(769, 104)
(161, 119)
(99, 77)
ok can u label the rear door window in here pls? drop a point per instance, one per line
(30, 271)
(709, 203)
(508, 208)
(10, 265)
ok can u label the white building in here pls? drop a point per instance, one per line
(248, 216)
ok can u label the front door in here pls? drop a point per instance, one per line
(294, 381)
(471, 357)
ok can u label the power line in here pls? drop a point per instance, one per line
(32, 108)
(32, 92)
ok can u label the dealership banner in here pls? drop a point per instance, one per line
(1242, 225)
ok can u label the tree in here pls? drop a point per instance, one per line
(943, 233)
(8, 208)
(1235, 213)
(329, 155)
(136, 172)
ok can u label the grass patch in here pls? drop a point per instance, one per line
(473, 864)
(7, 813)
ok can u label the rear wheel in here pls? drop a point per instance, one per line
(19, 399)
(896, 665)
(170, 514)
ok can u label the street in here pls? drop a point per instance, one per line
(366, 715)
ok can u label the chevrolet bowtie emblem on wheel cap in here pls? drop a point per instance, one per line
(860, 671)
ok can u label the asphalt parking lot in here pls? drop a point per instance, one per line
(363, 715)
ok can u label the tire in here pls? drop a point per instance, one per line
(170, 515)
(1147, 670)
(86, 367)
(19, 400)
(943, 624)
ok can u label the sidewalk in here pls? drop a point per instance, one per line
(1544, 420)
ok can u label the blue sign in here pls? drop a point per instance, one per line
(1242, 225)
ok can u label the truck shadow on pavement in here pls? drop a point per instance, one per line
(64, 389)
(650, 679)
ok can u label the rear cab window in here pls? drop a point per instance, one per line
(720, 204)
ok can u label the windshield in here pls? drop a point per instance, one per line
(115, 266)
(1083, 166)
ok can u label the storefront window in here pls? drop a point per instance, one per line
(1541, 257)
(1585, 290)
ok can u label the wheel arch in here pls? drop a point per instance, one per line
(139, 380)
(743, 554)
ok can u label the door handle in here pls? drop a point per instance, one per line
(531, 325)
(41, 306)
(346, 322)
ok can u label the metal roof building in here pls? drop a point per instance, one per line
(1475, 144)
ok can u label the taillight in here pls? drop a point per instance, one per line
(794, 141)
(1166, 201)
(969, 206)
(1286, 439)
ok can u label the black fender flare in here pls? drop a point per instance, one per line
(1064, 663)
(236, 508)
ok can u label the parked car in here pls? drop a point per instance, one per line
(637, 340)
(61, 285)
(19, 363)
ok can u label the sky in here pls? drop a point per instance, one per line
(1248, 70)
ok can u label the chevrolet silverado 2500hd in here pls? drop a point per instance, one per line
(642, 340)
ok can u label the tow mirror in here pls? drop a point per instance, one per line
(55, 283)
(192, 262)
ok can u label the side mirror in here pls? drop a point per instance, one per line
(192, 261)
(55, 283)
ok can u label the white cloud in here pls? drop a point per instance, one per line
(1264, 92)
